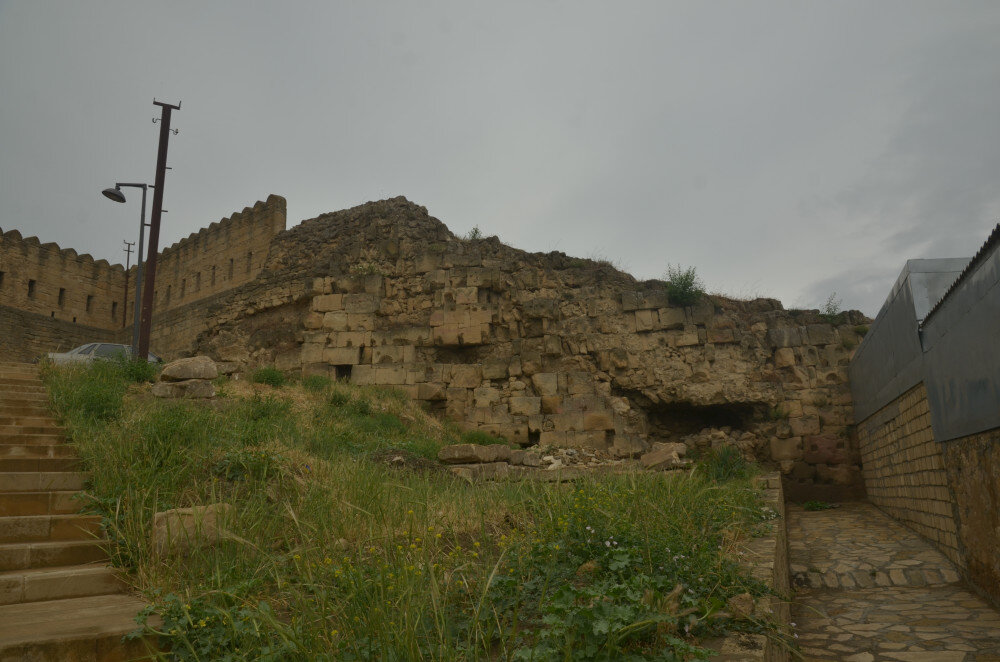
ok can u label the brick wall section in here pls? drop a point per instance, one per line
(904, 469)
(974, 477)
(25, 336)
(60, 284)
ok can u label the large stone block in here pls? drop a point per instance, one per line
(786, 449)
(820, 334)
(672, 318)
(180, 530)
(804, 425)
(328, 302)
(784, 357)
(525, 405)
(196, 367)
(360, 303)
(646, 320)
(598, 420)
(431, 391)
(189, 388)
(342, 355)
(825, 449)
(786, 336)
(466, 376)
(545, 383)
(474, 454)
(393, 354)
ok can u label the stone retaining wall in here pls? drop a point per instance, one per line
(25, 336)
(767, 557)
(904, 469)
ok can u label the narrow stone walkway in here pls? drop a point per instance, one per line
(867, 589)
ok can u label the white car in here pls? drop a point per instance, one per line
(96, 351)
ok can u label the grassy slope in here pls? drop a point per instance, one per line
(335, 554)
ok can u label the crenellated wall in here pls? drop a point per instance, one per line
(55, 283)
(226, 254)
(60, 284)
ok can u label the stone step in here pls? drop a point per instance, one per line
(28, 420)
(24, 555)
(38, 481)
(21, 391)
(86, 629)
(17, 504)
(30, 429)
(20, 450)
(59, 583)
(44, 464)
(19, 382)
(32, 439)
(40, 409)
(39, 528)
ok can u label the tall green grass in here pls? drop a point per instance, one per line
(332, 555)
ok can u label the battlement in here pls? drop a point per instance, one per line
(226, 254)
(60, 283)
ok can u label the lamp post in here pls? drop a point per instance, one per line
(117, 195)
(146, 316)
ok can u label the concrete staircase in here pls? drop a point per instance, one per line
(59, 599)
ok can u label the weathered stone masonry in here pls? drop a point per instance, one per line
(538, 348)
(541, 348)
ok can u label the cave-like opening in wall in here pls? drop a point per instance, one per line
(673, 421)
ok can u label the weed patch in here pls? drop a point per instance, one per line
(333, 555)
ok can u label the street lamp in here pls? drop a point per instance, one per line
(117, 195)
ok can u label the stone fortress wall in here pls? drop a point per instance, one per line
(543, 348)
(927, 402)
(222, 256)
(53, 299)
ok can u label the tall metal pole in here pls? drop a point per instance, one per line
(138, 279)
(128, 262)
(154, 230)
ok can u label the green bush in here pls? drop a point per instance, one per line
(817, 505)
(270, 376)
(316, 383)
(481, 438)
(724, 464)
(684, 288)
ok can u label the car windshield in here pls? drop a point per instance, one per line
(83, 349)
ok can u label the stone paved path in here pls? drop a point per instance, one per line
(870, 590)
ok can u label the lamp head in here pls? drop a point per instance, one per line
(114, 194)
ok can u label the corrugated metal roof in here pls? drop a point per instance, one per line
(992, 241)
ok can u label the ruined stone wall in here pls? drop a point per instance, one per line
(904, 469)
(973, 467)
(543, 349)
(60, 284)
(25, 336)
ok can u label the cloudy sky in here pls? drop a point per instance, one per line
(787, 149)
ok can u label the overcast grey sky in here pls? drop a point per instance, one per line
(786, 149)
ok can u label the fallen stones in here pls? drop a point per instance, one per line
(664, 456)
(187, 378)
(180, 530)
(474, 454)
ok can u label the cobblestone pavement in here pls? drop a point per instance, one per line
(870, 590)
